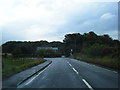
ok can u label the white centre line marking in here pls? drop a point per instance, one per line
(70, 65)
(88, 85)
(75, 70)
(68, 62)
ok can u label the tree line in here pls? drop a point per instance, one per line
(89, 44)
(29, 49)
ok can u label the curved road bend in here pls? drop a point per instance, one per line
(70, 73)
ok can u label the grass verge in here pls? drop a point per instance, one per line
(13, 66)
(104, 61)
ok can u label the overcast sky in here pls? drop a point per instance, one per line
(50, 20)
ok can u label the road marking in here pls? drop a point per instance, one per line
(30, 80)
(88, 85)
(68, 62)
(110, 70)
(105, 68)
(75, 70)
(37, 75)
(100, 67)
(115, 72)
(70, 65)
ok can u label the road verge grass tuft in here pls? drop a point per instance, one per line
(104, 61)
(13, 66)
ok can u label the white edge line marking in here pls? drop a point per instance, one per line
(104, 68)
(30, 80)
(110, 70)
(88, 85)
(100, 67)
(36, 76)
(115, 72)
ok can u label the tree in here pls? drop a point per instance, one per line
(17, 52)
(90, 43)
(74, 42)
(45, 53)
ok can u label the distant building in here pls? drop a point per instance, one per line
(52, 48)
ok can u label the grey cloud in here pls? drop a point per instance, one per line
(75, 21)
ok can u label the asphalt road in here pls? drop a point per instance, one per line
(70, 73)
